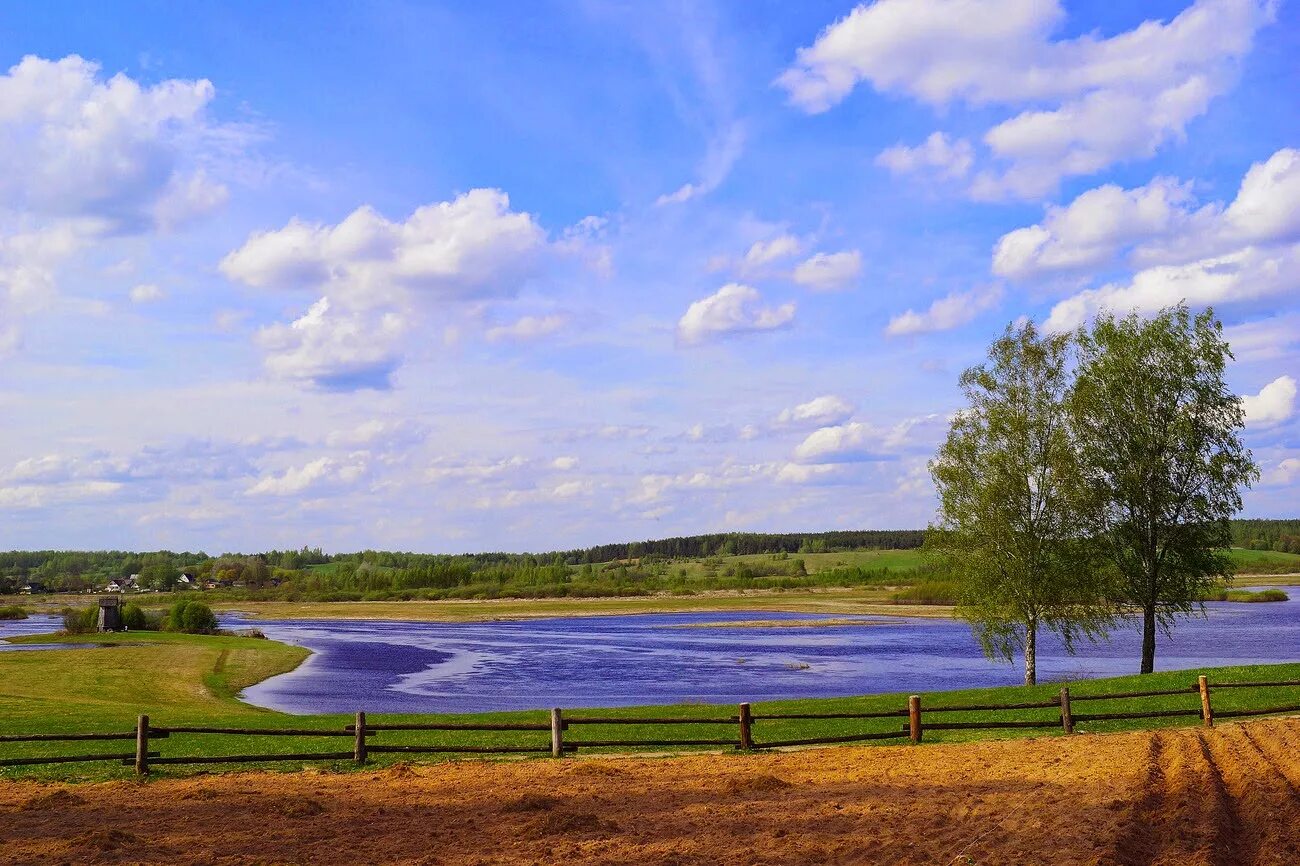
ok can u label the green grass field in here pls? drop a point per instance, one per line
(102, 685)
(1250, 562)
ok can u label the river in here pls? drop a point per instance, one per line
(410, 667)
(392, 667)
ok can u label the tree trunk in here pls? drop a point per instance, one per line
(1148, 638)
(1031, 653)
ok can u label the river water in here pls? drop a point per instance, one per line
(404, 667)
(408, 667)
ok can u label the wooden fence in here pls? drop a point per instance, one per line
(363, 733)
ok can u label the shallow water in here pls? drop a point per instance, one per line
(34, 624)
(390, 667)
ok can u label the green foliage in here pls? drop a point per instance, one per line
(1010, 493)
(80, 620)
(133, 618)
(1278, 536)
(198, 619)
(12, 612)
(159, 573)
(175, 620)
(1163, 462)
(191, 617)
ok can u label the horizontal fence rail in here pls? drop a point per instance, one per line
(918, 718)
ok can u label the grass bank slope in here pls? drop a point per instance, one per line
(108, 679)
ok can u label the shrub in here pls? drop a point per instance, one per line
(133, 618)
(198, 618)
(12, 612)
(176, 618)
(83, 620)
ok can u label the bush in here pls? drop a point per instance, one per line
(84, 620)
(12, 612)
(133, 618)
(176, 617)
(198, 618)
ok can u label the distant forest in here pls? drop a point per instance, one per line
(610, 569)
(58, 570)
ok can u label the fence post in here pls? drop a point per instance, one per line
(557, 733)
(1067, 719)
(914, 717)
(359, 753)
(1207, 714)
(142, 746)
(746, 735)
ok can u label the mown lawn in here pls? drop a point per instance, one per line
(193, 680)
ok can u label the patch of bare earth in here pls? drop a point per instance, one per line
(1225, 796)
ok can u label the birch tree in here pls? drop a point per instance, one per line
(1009, 491)
(1162, 462)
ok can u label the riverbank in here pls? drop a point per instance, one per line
(836, 602)
(1188, 796)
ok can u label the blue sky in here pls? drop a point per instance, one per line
(456, 277)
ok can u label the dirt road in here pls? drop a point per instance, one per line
(1226, 796)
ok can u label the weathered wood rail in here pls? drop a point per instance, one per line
(363, 732)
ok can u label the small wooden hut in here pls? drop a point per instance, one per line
(110, 613)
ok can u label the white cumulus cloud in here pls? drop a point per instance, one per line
(827, 272)
(1091, 229)
(318, 473)
(335, 349)
(471, 247)
(947, 313)
(1243, 275)
(763, 253)
(112, 151)
(1285, 472)
(1087, 102)
(376, 276)
(1157, 224)
(88, 159)
(1274, 403)
(828, 409)
(841, 443)
(952, 159)
(733, 309)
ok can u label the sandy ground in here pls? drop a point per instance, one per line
(1188, 796)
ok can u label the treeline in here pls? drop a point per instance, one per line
(741, 543)
(1279, 536)
(76, 571)
(605, 570)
